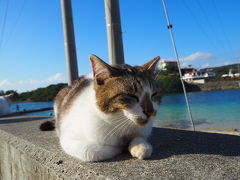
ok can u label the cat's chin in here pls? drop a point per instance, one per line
(141, 122)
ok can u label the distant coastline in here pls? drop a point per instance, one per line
(170, 84)
(216, 84)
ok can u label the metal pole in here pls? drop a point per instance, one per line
(114, 32)
(178, 63)
(69, 41)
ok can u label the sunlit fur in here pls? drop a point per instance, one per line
(105, 116)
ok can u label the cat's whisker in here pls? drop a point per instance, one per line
(117, 130)
(122, 129)
(135, 116)
(119, 118)
(116, 127)
(112, 124)
(119, 123)
(123, 132)
(129, 128)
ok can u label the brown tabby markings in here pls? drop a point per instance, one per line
(125, 89)
(67, 95)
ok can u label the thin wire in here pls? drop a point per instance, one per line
(223, 30)
(179, 66)
(15, 23)
(4, 24)
(201, 27)
(211, 26)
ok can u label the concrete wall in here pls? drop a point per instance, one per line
(219, 85)
(18, 165)
(29, 154)
(24, 160)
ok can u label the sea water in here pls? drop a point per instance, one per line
(33, 105)
(214, 110)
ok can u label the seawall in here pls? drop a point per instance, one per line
(219, 85)
(27, 153)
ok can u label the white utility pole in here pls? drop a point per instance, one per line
(114, 32)
(69, 41)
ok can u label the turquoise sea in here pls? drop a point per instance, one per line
(214, 110)
(34, 105)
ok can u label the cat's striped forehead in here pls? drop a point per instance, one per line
(141, 78)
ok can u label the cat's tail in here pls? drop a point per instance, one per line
(47, 126)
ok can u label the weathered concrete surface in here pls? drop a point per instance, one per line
(27, 153)
(220, 85)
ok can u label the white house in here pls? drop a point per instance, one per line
(230, 74)
(197, 77)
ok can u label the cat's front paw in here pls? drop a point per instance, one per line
(140, 149)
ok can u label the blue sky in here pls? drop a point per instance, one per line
(32, 49)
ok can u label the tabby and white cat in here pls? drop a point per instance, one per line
(110, 109)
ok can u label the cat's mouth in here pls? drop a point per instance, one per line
(138, 120)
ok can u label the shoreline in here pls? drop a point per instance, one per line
(217, 129)
(207, 130)
(236, 133)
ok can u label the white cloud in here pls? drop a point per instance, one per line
(184, 64)
(205, 65)
(31, 81)
(56, 77)
(5, 82)
(238, 60)
(198, 56)
(31, 84)
(226, 63)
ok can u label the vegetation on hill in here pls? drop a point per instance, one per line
(168, 79)
(171, 83)
(224, 69)
(39, 95)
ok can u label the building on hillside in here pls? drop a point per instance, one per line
(197, 77)
(230, 74)
(187, 70)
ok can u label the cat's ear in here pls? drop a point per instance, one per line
(101, 70)
(151, 64)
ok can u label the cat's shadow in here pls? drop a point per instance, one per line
(170, 142)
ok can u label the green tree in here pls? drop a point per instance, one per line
(170, 82)
(42, 94)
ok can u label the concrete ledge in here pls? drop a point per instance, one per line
(27, 153)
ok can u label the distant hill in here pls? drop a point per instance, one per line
(42, 94)
(223, 69)
(39, 95)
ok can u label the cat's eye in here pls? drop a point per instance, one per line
(156, 96)
(133, 96)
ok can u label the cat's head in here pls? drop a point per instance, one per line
(123, 88)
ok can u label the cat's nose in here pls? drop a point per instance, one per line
(149, 112)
